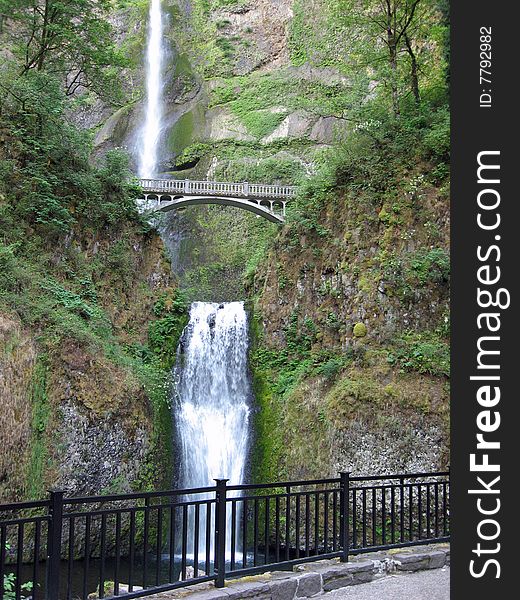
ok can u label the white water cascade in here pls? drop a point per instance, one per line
(150, 133)
(213, 396)
(212, 393)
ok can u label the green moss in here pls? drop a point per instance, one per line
(261, 123)
(182, 133)
(191, 155)
(360, 330)
(183, 66)
(366, 283)
(268, 442)
(41, 411)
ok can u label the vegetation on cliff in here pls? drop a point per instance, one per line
(351, 347)
(90, 315)
(349, 300)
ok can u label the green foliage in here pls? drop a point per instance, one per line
(68, 260)
(405, 274)
(271, 170)
(73, 40)
(171, 311)
(38, 461)
(52, 184)
(424, 352)
(430, 266)
(437, 138)
(10, 586)
(298, 32)
(402, 42)
(300, 335)
(331, 368)
(305, 212)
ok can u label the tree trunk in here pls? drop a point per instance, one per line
(392, 49)
(43, 41)
(414, 76)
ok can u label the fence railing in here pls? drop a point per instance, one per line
(133, 545)
(217, 188)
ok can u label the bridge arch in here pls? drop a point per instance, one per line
(261, 207)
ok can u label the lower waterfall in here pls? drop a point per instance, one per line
(212, 402)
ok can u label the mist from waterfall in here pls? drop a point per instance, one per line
(150, 133)
(212, 398)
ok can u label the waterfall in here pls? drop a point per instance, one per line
(213, 395)
(149, 135)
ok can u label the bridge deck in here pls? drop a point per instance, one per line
(186, 187)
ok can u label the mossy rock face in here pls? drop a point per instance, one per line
(360, 330)
(181, 135)
(185, 131)
(117, 128)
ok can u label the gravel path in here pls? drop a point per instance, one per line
(423, 585)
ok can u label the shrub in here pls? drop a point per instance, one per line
(424, 352)
(164, 333)
(431, 266)
(437, 139)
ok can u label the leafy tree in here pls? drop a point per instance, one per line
(391, 48)
(68, 38)
(402, 29)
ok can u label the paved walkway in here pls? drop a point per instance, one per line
(423, 585)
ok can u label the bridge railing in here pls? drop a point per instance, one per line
(64, 548)
(217, 188)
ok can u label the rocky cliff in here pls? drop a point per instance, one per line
(83, 408)
(237, 104)
(352, 325)
(348, 300)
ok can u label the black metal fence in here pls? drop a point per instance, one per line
(134, 545)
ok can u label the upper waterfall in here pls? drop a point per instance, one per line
(149, 135)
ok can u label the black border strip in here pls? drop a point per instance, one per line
(479, 128)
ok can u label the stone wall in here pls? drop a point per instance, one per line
(315, 578)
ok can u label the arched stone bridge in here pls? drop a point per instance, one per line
(268, 201)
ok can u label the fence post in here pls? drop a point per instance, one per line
(344, 515)
(245, 188)
(220, 532)
(54, 544)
